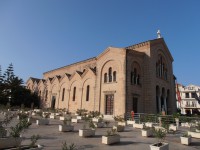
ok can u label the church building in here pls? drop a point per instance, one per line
(137, 77)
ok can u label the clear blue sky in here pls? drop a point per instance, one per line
(41, 35)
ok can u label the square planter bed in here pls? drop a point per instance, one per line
(97, 119)
(194, 134)
(42, 122)
(130, 122)
(164, 146)
(160, 128)
(173, 127)
(122, 123)
(66, 128)
(62, 118)
(147, 133)
(75, 120)
(99, 124)
(79, 117)
(137, 125)
(119, 128)
(27, 147)
(86, 132)
(111, 139)
(186, 140)
(52, 117)
(150, 124)
(3, 132)
(8, 142)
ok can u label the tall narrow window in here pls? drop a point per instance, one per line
(63, 94)
(135, 76)
(105, 77)
(138, 79)
(114, 76)
(46, 95)
(110, 74)
(74, 94)
(132, 77)
(88, 93)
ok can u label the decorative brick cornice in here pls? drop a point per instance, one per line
(138, 45)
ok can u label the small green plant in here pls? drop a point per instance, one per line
(68, 147)
(22, 116)
(198, 126)
(107, 123)
(19, 128)
(81, 112)
(147, 128)
(91, 124)
(67, 121)
(4, 123)
(34, 139)
(86, 121)
(119, 119)
(185, 135)
(39, 113)
(94, 114)
(160, 135)
(111, 132)
(176, 115)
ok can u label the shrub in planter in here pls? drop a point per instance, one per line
(22, 115)
(4, 123)
(160, 145)
(97, 118)
(66, 125)
(81, 112)
(43, 120)
(107, 123)
(147, 131)
(99, 124)
(88, 127)
(34, 139)
(111, 137)
(68, 147)
(14, 139)
(119, 128)
(119, 119)
(185, 139)
(94, 114)
(198, 127)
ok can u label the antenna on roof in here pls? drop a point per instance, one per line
(159, 34)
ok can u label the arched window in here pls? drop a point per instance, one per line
(161, 68)
(88, 93)
(74, 94)
(114, 76)
(110, 74)
(135, 74)
(105, 77)
(63, 94)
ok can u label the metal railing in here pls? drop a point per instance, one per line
(143, 117)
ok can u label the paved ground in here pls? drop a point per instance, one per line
(131, 139)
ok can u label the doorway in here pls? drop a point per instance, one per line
(135, 104)
(109, 104)
(53, 102)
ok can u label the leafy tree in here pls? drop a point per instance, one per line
(13, 92)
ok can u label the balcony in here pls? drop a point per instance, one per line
(190, 106)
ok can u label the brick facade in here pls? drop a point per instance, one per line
(138, 77)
